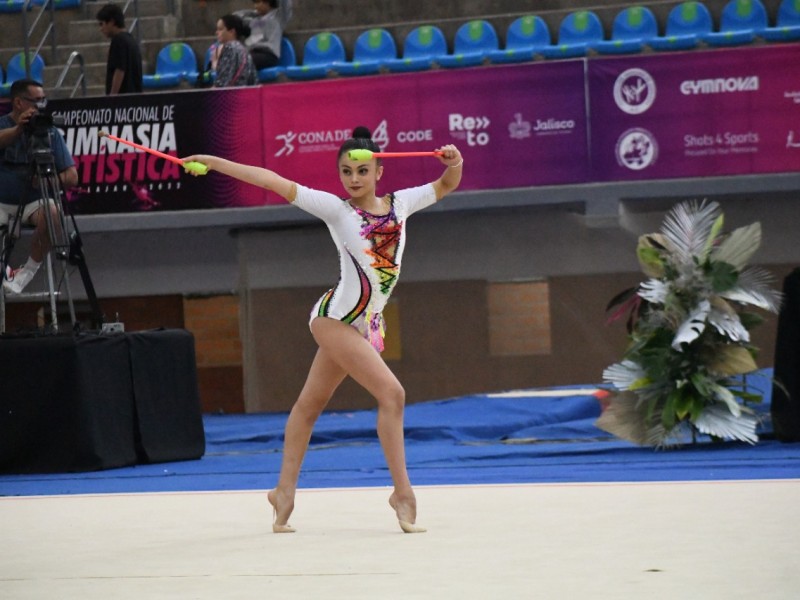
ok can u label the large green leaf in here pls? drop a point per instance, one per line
(723, 276)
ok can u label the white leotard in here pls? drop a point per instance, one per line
(370, 252)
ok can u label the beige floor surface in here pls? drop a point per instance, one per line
(698, 540)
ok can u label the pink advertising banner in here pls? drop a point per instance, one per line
(654, 116)
(516, 126)
(695, 114)
(117, 178)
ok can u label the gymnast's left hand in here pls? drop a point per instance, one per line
(450, 157)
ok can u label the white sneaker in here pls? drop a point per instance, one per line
(17, 279)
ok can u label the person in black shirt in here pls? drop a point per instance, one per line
(124, 67)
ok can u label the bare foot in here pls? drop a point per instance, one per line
(281, 515)
(405, 506)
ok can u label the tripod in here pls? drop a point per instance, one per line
(65, 242)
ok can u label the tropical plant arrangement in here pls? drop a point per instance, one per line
(684, 370)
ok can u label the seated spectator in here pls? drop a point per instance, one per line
(18, 187)
(267, 22)
(233, 63)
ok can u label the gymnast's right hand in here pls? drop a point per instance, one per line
(197, 164)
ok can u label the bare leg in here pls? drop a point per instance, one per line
(323, 379)
(359, 360)
(40, 242)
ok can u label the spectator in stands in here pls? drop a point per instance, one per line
(231, 60)
(347, 322)
(18, 137)
(124, 66)
(267, 22)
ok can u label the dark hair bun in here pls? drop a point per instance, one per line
(362, 132)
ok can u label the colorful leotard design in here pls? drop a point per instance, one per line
(370, 252)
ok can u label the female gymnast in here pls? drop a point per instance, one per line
(346, 322)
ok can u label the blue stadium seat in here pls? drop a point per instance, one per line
(687, 24)
(320, 52)
(422, 48)
(632, 30)
(207, 76)
(12, 6)
(288, 59)
(525, 37)
(741, 22)
(176, 62)
(578, 33)
(787, 23)
(16, 70)
(58, 4)
(372, 49)
(473, 42)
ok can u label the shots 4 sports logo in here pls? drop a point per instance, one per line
(636, 149)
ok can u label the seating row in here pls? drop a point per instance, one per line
(15, 6)
(16, 69)
(634, 29)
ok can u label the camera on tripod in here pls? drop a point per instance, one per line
(38, 129)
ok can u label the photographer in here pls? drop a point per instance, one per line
(20, 132)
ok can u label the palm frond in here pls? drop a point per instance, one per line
(623, 375)
(716, 420)
(753, 287)
(738, 247)
(654, 290)
(688, 228)
(626, 419)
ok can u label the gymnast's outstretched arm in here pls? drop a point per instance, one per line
(257, 176)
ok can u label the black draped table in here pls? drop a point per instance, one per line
(90, 401)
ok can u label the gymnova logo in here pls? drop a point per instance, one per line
(720, 85)
(636, 149)
(634, 91)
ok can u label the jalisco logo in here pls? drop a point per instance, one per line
(469, 129)
(636, 149)
(519, 129)
(634, 91)
(720, 85)
(551, 125)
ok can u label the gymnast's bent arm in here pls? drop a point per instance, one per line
(257, 176)
(451, 177)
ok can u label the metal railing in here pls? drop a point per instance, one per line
(81, 80)
(134, 28)
(50, 31)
